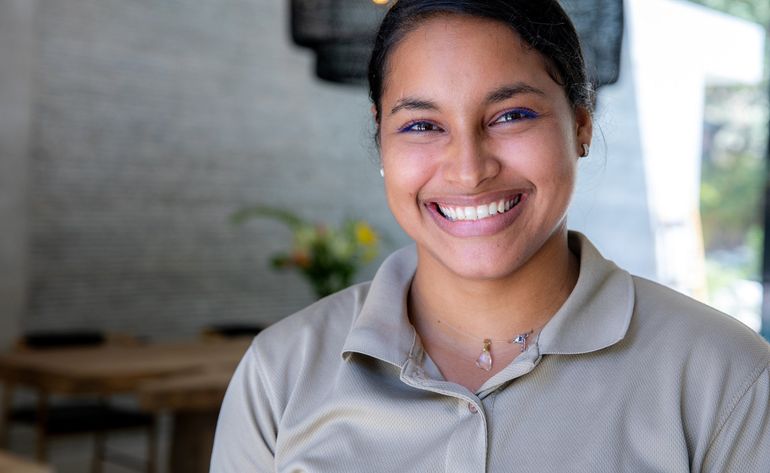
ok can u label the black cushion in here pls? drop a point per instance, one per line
(40, 340)
(234, 329)
(84, 418)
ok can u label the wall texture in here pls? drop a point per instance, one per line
(154, 121)
(17, 53)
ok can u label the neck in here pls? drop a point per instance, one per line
(446, 308)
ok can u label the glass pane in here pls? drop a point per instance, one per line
(733, 181)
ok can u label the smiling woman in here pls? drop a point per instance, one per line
(500, 338)
(498, 132)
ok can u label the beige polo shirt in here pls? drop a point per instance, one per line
(628, 376)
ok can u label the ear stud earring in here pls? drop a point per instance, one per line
(382, 172)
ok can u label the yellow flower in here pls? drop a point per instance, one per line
(365, 235)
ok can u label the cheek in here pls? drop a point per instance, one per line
(407, 170)
(557, 174)
(542, 159)
(564, 182)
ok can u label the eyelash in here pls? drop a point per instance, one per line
(514, 115)
(410, 127)
(519, 113)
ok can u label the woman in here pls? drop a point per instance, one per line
(501, 341)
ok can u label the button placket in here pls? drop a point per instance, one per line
(466, 450)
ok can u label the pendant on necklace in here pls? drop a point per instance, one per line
(521, 339)
(484, 360)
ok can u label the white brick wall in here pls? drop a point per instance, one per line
(17, 52)
(154, 121)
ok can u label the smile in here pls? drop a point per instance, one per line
(478, 212)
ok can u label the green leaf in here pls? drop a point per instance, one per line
(286, 217)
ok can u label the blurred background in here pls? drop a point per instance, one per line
(175, 175)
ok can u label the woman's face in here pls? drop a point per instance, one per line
(479, 146)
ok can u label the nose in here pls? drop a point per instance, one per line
(469, 163)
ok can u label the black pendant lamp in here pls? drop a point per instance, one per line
(341, 33)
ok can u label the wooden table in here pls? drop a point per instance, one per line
(187, 379)
(12, 464)
(194, 400)
(112, 369)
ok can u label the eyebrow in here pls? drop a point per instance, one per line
(498, 95)
(508, 91)
(409, 103)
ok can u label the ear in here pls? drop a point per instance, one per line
(584, 128)
(374, 113)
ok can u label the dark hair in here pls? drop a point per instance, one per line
(542, 24)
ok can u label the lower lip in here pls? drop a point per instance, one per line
(477, 228)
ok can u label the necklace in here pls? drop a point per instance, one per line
(484, 360)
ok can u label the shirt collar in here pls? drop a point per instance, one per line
(382, 328)
(595, 315)
(598, 311)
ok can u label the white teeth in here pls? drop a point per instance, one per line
(481, 211)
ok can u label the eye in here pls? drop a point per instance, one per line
(419, 127)
(516, 115)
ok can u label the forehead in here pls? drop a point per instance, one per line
(457, 53)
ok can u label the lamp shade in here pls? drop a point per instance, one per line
(341, 33)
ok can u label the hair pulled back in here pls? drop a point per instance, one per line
(542, 24)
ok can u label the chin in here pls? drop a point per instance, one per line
(482, 265)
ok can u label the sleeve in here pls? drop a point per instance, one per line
(742, 443)
(246, 429)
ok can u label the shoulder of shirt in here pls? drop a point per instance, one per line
(328, 319)
(688, 327)
(310, 340)
(715, 359)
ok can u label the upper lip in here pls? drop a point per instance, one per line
(475, 200)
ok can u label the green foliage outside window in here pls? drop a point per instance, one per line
(733, 173)
(753, 10)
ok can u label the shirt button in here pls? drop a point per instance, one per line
(472, 408)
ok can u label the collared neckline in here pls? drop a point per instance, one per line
(596, 314)
(382, 328)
